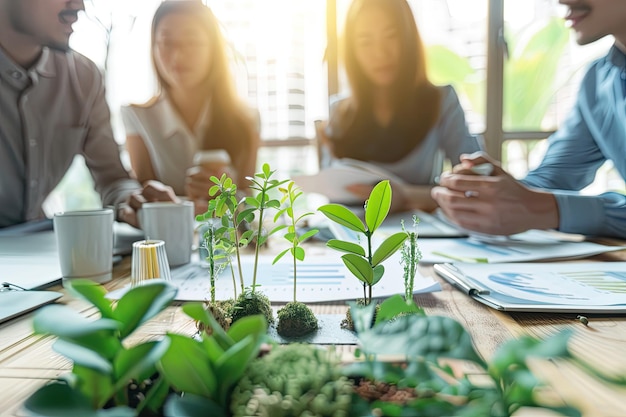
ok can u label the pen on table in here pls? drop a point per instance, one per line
(459, 280)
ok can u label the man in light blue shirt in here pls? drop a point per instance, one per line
(594, 132)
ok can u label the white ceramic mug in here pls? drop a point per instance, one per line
(172, 223)
(85, 244)
(213, 159)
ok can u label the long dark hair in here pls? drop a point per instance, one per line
(233, 126)
(415, 99)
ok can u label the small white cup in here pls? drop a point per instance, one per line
(214, 159)
(85, 244)
(172, 223)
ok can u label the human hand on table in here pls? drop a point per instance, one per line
(494, 204)
(152, 191)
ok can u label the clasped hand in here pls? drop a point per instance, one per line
(494, 204)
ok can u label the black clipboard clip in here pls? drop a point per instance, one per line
(7, 286)
(454, 276)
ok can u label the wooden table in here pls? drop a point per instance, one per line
(27, 360)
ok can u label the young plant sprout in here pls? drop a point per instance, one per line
(225, 207)
(295, 318)
(262, 183)
(366, 265)
(411, 256)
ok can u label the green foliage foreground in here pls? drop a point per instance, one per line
(223, 373)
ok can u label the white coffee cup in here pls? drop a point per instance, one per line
(85, 244)
(213, 159)
(172, 223)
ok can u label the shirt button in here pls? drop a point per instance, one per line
(33, 183)
(32, 143)
(16, 74)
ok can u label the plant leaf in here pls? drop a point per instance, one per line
(138, 362)
(193, 406)
(389, 247)
(83, 356)
(280, 255)
(95, 294)
(343, 216)
(142, 303)
(185, 367)
(255, 325)
(378, 205)
(395, 306)
(359, 267)
(343, 246)
(198, 312)
(59, 400)
(379, 271)
(307, 235)
(298, 253)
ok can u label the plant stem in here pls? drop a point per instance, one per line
(209, 242)
(294, 276)
(232, 273)
(236, 233)
(369, 259)
(258, 236)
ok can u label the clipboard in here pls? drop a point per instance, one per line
(15, 301)
(559, 287)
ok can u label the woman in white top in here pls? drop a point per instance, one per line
(394, 117)
(196, 108)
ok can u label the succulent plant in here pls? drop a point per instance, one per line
(293, 380)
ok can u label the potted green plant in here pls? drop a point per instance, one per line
(204, 370)
(423, 384)
(295, 318)
(234, 214)
(107, 373)
(365, 263)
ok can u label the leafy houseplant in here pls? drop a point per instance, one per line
(295, 319)
(431, 388)
(206, 370)
(234, 214)
(105, 370)
(366, 265)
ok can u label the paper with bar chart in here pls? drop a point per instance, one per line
(580, 287)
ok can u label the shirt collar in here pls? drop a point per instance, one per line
(174, 123)
(617, 57)
(19, 77)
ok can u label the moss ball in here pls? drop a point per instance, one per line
(250, 303)
(296, 319)
(220, 310)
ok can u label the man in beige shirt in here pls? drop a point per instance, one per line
(52, 107)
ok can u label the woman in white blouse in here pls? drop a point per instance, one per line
(196, 109)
